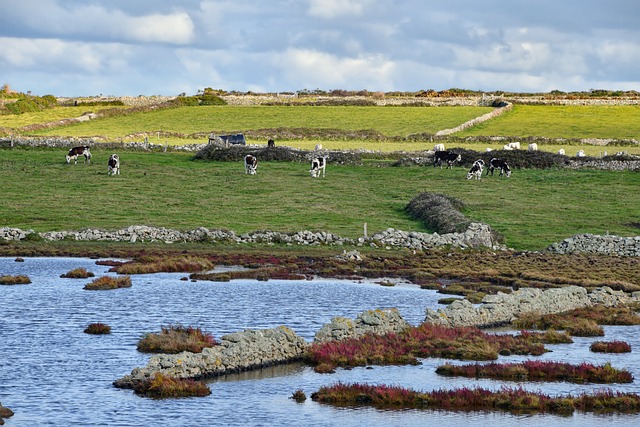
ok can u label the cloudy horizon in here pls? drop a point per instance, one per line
(162, 47)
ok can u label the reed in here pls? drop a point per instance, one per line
(299, 396)
(164, 386)
(174, 339)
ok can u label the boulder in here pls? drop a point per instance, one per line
(380, 322)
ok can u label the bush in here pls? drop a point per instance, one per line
(438, 212)
(610, 347)
(175, 339)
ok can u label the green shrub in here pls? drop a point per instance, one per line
(438, 212)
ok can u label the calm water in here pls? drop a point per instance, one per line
(51, 373)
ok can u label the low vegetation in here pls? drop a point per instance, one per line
(15, 280)
(540, 371)
(174, 339)
(583, 322)
(514, 400)
(610, 347)
(299, 396)
(157, 264)
(105, 283)
(98, 329)
(163, 386)
(77, 273)
(426, 340)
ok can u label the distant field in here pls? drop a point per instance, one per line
(532, 209)
(390, 121)
(556, 121)
(15, 121)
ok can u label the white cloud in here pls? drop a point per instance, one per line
(328, 9)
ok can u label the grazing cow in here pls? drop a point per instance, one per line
(476, 169)
(250, 164)
(499, 164)
(448, 156)
(489, 149)
(514, 145)
(114, 165)
(580, 153)
(507, 148)
(318, 147)
(271, 143)
(438, 147)
(561, 151)
(318, 164)
(532, 147)
(79, 151)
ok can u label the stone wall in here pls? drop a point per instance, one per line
(241, 351)
(594, 244)
(473, 122)
(477, 235)
(502, 309)
(379, 322)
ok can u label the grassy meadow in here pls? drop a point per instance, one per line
(532, 209)
(389, 121)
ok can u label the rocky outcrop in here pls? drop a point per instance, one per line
(379, 322)
(595, 244)
(502, 309)
(241, 351)
(477, 235)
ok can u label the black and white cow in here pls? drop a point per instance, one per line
(445, 156)
(79, 151)
(318, 164)
(114, 165)
(499, 164)
(271, 143)
(250, 164)
(476, 169)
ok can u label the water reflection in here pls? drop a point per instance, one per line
(54, 374)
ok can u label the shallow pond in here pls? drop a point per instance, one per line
(51, 373)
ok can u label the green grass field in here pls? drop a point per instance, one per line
(390, 121)
(557, 121)
(532, 209)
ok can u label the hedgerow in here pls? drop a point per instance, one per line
(438, 212)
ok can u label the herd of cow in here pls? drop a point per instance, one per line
(319, 163)
(450, 157)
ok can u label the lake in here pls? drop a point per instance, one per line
(51, 373)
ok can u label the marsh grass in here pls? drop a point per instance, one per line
(174, 339)
(583, 322)
(97, 329)
(514, 400)
(163, 386)
(15, 280)
(105, 283)
(532, 370)
(426, 340)
(77, 273)
(610, 347)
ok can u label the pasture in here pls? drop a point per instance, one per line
(532, 209)
(299, 126)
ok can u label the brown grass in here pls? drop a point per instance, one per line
(107, 283)
(174, 339)
(14, 280)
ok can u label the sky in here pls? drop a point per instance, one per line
(168, 47)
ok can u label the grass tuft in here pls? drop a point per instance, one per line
(15, 280)
(97, 329)
(164, 386)
(174, 339)
(107, 283)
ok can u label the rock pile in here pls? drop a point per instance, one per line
(501, 309)
(241, 351)
(477, 235)
(379, 322)
(594, 244)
